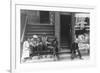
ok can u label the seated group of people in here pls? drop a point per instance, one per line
(36, 46)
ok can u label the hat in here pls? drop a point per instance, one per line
(35, 36)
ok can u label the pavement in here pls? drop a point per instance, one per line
(48, 58)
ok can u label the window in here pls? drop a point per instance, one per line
(44, 17)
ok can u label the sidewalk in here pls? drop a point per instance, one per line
(50, 58)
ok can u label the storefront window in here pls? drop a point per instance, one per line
(82, 29)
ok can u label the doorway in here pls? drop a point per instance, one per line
(65, 30)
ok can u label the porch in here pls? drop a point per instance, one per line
(59, 24)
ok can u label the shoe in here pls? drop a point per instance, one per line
(72, 58)
(81, 58)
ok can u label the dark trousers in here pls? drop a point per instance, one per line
(75, 49)
(33, 50)
(74, 53)
(56, 52)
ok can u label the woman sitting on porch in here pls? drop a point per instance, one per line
(26, 50)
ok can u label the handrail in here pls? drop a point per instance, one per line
(24, 29)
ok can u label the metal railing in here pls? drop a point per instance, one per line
(22, 37)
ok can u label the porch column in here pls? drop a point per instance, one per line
(73, 27)
(57, 27)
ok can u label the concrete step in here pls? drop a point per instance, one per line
(64, 47)
(40, 25)
(65, 51)
(41, 30)
(30, 36)
(64, 44)
(37, 33)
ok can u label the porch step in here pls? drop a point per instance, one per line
(42, 30)
(40, 26)
(64, 44)
(38, 33)
(38, 29)
(62, 51)
(64, 47)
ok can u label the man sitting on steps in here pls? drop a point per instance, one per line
(34, 45)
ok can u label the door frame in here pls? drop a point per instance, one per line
(72, 31)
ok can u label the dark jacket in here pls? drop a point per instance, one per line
(74, 46)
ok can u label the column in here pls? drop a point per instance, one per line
(57, 27)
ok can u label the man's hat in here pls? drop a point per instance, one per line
(35, 36)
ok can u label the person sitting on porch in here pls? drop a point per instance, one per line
(26, 50)
(44, 44)
(34, 45)
(44, 40)
(55, 49)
